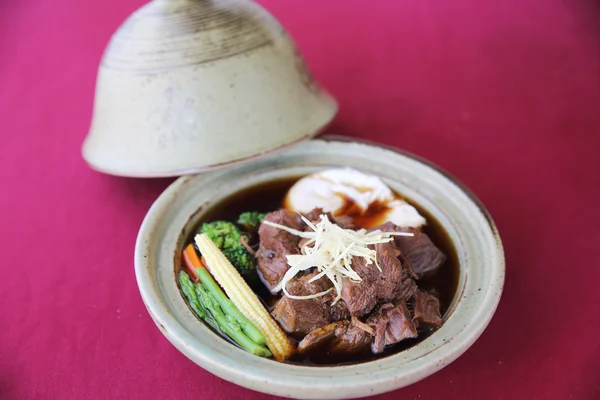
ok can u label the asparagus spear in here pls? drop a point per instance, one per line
(227, 324)
(187, 287)
(229, 308)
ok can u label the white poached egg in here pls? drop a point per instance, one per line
(332, 189)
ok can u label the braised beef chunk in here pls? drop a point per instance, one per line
(419, 252)
(338, 337)
(406, 265)
(301, 285)
(319, 337)
(338, 310)
(427, 310)
(391, 271)
(353, 339)
(376, 286)
(302, 316)
(390, 227)
(406, 289)
(314, 216)
(392, 324)
(344, 221)
(275, 244)
(359, 298)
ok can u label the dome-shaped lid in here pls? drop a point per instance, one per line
(187, 85)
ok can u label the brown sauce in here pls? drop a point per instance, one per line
(269, 197)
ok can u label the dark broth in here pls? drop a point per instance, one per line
(269, 197)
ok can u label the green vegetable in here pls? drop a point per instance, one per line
(228, 325)
(229, 308)
(227, 237)
(189, 291)
(240, 258)
(251, 220)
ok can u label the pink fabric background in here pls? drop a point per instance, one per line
(505, 94)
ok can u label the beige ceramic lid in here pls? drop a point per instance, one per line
(189, 85)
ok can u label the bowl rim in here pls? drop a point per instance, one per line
(482, 316)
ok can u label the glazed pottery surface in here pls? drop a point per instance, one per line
(189, 85)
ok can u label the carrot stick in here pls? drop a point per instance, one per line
(192, 261)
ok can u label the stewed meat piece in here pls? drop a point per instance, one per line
(302, 316)
(392, 324)
(345, 337)
(419, 252)
(391, 282)
(427, 310)
(275, 244)
(343, 221)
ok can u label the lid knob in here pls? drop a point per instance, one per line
(187, 85)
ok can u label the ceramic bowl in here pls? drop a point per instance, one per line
(470, 228)
(189, 85)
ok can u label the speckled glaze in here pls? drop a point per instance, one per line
(188, 85)
(472, 230)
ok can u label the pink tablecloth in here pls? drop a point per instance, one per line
(502, 93)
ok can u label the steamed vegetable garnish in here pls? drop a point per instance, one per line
(228, 238)
(251, 220)
(211, 286)
(205, 307)
(330, 249)
(244, 298)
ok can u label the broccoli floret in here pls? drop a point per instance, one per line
(223, 233)
(227, 237)
(251, 220)
(240, 258)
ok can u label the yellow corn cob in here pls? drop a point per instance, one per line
(244, 298)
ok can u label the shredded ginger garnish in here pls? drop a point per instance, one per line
(330, 248)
